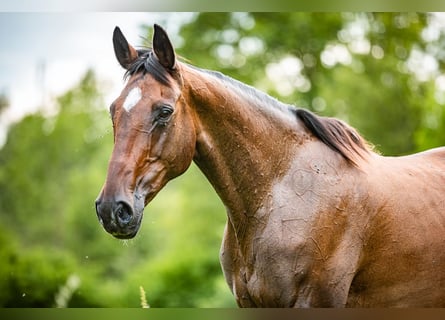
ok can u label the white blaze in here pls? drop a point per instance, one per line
(132, 98)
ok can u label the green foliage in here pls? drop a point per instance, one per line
(52, 168)
(30, 277)
(44, 192)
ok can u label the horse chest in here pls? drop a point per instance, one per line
(256, 284)
(260, 275)
(274, 265)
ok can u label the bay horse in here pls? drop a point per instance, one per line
(315, 217)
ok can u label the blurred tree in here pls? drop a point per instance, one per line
(40, 154)
(37, 164)
(30, 277)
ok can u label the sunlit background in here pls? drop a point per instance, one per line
(44, 54)
(382, 73)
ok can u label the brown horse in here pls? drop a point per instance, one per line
(315, 217)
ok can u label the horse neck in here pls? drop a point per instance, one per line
(243, 143)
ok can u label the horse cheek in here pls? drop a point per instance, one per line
(182, 150)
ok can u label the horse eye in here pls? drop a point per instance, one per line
(164, 113)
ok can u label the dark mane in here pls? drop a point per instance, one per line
(335, 134)
(148, 63)
(332, 132)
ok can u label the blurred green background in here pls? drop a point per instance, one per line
(380, 72)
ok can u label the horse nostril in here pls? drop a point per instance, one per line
(98, 203)
(123, 213)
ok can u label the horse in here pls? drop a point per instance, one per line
(315, 216)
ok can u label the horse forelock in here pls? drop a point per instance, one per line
(148, 63)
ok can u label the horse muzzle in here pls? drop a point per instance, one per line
(118, 217)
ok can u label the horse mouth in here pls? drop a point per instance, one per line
(130, 229)
(124, 236)
(119, 218)
(121, 214)
(123, 232)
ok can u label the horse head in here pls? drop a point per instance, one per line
(154, 136)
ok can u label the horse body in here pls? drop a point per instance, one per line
(313, 230)
(403, 258)
(315, 218)
(270, 240)
(321, 244)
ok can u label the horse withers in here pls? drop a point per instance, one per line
(316, 218)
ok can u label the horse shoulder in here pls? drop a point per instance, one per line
(311, 243)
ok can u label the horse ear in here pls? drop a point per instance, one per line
(124, 52)
(163, 48)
